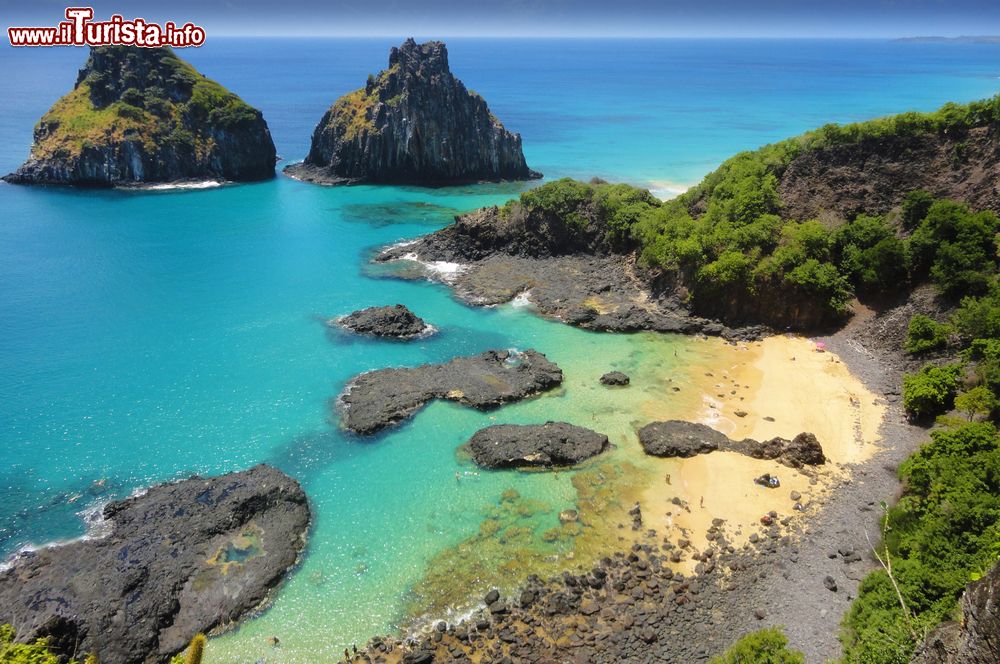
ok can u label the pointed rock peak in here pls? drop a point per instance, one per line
(412, 57)
(413, 123)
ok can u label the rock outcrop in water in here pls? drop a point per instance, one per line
(414, 123)
(535, 445)
(180, 559)
(377, 399)
(676, 438)
(390, 321)
(143, 115)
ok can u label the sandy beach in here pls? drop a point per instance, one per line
(780, 386)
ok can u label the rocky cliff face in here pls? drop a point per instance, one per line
(873, 175)
(976, 639)
(140, 115)
(180, 559)
(413, 123)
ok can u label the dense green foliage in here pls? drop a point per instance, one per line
(957, 247)
(932, 390)
(727, 237)
(767, 646)
(926, 334)
(944, 531)
(22, 653)
(145, 94)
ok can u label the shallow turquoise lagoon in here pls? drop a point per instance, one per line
(148, 336)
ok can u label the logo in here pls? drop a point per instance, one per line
(79, 29)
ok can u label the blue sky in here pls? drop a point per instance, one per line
(677, 18)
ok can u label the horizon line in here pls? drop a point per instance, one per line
(415, 35)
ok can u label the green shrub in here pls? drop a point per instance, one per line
(767, 646)
(23, 653)
(979, 318)
(926, 334)
(944, 530)
(562, 198)
(915, 207)
(957, 247)
(931, 391)
(870, 255)
(977, 401)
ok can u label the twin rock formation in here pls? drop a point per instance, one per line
(141, 116)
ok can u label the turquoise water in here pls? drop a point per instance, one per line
(148, 336)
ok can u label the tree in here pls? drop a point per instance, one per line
(977, 401)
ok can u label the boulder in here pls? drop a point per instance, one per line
(535, 445)
(675, 438)
(615, 378)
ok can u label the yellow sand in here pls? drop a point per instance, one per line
(802, 389)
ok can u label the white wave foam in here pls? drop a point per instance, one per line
(522, 299)
(170, 186)
(443, 270)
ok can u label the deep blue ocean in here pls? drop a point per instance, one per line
(146, 336)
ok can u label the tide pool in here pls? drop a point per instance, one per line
(146, 336)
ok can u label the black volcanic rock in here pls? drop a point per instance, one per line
(615, 378)
(974, 640)
(377, 399)
(676, 438)
(414, 123)
(532, 445)
(803, 450)
(390, 321)
(180, 559)
(142, 115)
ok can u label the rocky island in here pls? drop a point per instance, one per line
(396, 322)
(179, 559)
(535, 445)
(378, 399)
(414, 123)
(143, 116)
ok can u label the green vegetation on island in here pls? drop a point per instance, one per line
(737, 252)
(145, 115)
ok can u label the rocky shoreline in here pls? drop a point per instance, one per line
(180, 559)
(600, 293)
(799, 574)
